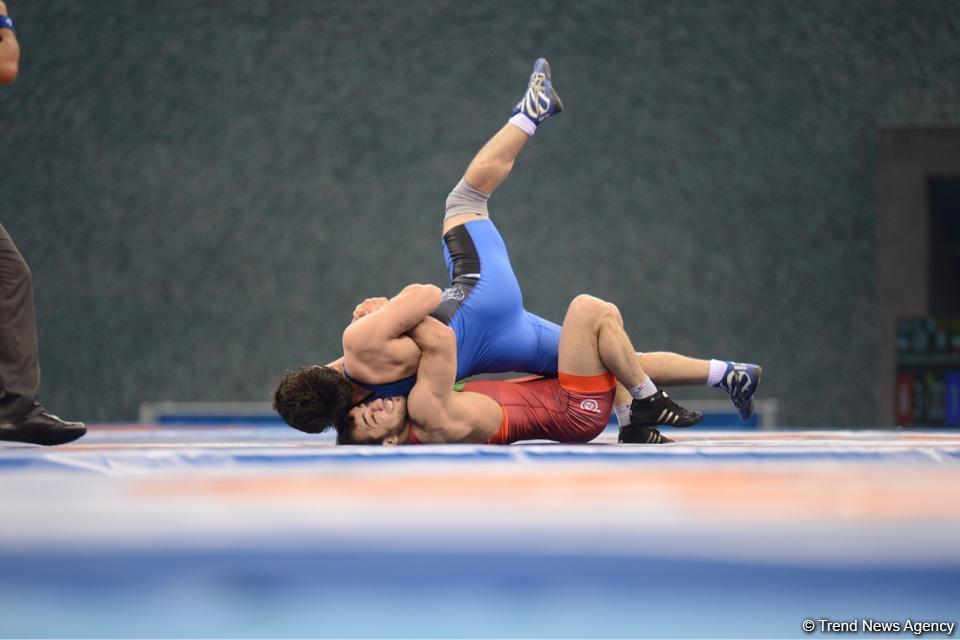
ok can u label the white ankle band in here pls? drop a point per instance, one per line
(644, 390)
(717, 369)
(523, 123)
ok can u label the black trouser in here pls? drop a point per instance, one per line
(19, 362)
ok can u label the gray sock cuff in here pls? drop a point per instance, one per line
(466, 199)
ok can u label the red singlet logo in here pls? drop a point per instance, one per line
(590, 405)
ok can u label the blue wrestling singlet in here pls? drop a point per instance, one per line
(484, 307)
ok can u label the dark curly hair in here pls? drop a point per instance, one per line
(313, 399)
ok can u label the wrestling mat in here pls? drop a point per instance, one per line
(265, 532)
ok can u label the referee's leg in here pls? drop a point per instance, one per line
(22, 418)
(19, 364)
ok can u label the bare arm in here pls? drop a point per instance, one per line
(365, 308)
(437, 372)
(373, 332)
(9, 52)
(440, 414)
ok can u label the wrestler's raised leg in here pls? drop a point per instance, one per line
(493, 163)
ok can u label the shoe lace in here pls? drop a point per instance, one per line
(536, 96)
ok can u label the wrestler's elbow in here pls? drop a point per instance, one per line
(432, 336)
(429, 293)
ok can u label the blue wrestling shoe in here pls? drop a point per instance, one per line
(741, 380)
(541, 100)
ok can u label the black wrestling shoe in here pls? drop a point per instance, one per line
(660, 409)
(41, 427)
(639, 434)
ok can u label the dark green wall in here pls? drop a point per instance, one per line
(205, 189)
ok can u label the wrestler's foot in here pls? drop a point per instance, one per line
(660, 409)
(41, 427)
(639, 434)
(541, 100)
(741, 380)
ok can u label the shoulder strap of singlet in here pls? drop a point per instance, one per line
(385, 390)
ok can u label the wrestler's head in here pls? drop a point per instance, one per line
(381, 421)
(312, 399)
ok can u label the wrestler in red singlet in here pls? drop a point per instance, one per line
(565, 409)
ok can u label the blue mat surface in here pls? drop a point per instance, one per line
(259, 532)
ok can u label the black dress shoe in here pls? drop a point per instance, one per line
(41, 427)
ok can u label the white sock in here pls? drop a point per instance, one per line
(623, 414)
(523, 123)
(717, 369)
(644, 390)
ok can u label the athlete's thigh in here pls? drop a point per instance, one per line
(579, 352)
(485, 307)
(546, 356)
(484, 294)
(477, 258)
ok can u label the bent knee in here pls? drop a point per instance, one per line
(587, 306)
(464, 199)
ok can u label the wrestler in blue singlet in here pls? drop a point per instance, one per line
(484, 307)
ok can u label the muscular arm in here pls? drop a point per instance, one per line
(376, 344)
(9, 52)
(437, 373)
(441, 414)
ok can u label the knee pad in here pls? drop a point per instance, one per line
(466, 199)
